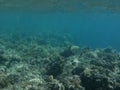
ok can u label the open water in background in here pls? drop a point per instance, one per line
(88, 29)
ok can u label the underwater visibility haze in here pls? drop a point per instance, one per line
(59, 45)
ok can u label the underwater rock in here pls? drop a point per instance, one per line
(10, 79)
(108, 50)
(37, 51)
(66, 53)
(58, 86)
(55, 69)
(78, 70)
(72, 83)
(107, 54)
(1, 52)
(95, 82)
(84, 50)
(3, 83)
(3, 60)
(71, 50)
(94, 77)
(55, 85)
(37, 81)
(75, 49)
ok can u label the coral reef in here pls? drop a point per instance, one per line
(31, 63)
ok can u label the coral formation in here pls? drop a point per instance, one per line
(31, 63)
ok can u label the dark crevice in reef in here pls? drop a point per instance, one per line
(55, 69)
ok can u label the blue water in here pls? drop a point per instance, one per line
(88, 29)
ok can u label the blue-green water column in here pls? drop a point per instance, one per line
(87, 29)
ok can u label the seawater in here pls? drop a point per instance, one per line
(96, 30)
(44, 45)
